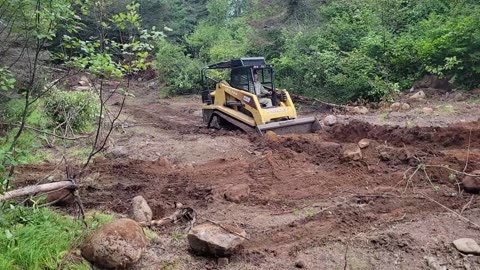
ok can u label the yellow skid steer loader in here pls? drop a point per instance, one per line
(249, 101)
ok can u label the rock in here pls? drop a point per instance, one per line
(396, 106)
(141, 212)
(330, 120)
(237, 193)
(210, 239)
(405, 106)
(434, 264)
(84, 81)
(300, 264)
(198, 113)
(271, 135)
(403, 154)
(459, 97)
(467, 246)
(164, 162)
(115, 245)
(117, 152)
(471, 184)
(352, 153)
(360, 110)
(152, 85)
(330, 147)
(222, 262)
(417, 96)
(427, 110)
(363, 143)
(384, 156)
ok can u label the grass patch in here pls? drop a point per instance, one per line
(38, 239)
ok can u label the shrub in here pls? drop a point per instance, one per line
(180, 72)
(76, 109)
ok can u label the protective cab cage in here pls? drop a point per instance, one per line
(241, 76)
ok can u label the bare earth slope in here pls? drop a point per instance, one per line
(307, 203)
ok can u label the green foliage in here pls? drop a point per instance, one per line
(72, 109)
(7, 80)
(181, 16)
(372, 49)
(36, 238)
(180, 72)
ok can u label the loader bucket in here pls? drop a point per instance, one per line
(298, 126)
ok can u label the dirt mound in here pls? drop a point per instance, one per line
(452, 136)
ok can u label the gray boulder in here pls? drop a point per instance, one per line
(212, 240)
(330, 120)
(467, 246)
(141, 211)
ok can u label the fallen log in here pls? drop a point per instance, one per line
(29, 190)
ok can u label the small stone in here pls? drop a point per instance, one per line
(300, 264)
(222, 262)
(403, 154)
(213, 240)
(427, 110)
(330, 120)
(360, 110)
(271, 135)
(471, 184)
(417, 96)
(363, 143)
(152, 85)
(352, 153)
(384, 156)
(405, 107)
(116, 245)
(434, 263)
(459, 97)
(237, 193)
(141, 211)
(164, 162)
(117, 152)
(467, 246)
(395, 106)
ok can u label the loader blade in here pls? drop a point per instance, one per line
(299, 126)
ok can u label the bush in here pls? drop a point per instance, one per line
(180, 72)
(76, 109)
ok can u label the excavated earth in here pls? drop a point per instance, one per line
(399, 207)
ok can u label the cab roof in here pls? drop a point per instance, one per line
(240, 62)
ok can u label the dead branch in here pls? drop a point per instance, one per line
(183, 213)
(450, 210)
(465, 207)
(28, 190)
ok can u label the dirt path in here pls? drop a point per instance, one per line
(306, 203)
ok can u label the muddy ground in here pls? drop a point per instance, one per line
(307, 202)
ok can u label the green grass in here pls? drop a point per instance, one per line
(38, 239)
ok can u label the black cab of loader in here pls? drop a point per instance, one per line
(241, 76)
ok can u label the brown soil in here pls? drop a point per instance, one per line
(306, 203)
